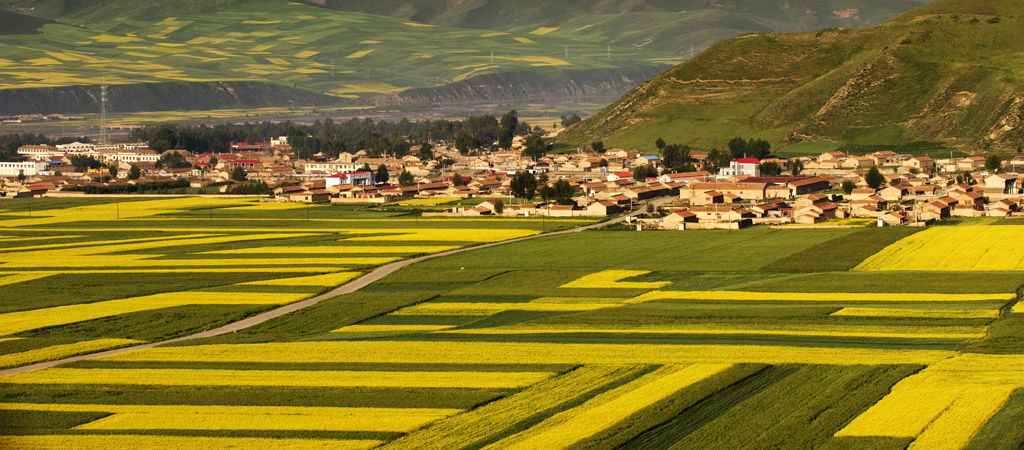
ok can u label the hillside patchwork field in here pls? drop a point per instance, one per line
(601, 339)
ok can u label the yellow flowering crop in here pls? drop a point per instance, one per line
(611, 279)
(517, 353)
(903, 413)
(438, 234)
(217, 377)
(16, 322)
(146, 442)
(327, 250)
(481, 422)
(185, 417)
(965, 247)
(823, 331)
(392, 328)
(570, 427)
(488, 308)
(920, 313)
(1018, 308)
(838, 297)
(428, 201)
(62, 351)
(955, 428)
(325, 280)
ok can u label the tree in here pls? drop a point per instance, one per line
(510, 121)
(597, 146)
(382, 174)
(771, 169)
(542, 178)
(213, 162)
(113, 170)
(499, 207)
(563, 192)
(546, 193)
(426, 151)
(874, 178)
(848, 186)
(406, 179)
(676, 157)
(754, 148)
(458, 180)
(570, 121)
(505, 138)
(717, 159)
(134, 173)
(644, 172)
(524, 185)
(535, 147)
(603, 163)
(83, 163)
(660, 143)
(993, 163)
(737, 147)
(21, 176)
(794, 166)
(366, 168)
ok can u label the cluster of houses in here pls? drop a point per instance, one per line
(916, 189)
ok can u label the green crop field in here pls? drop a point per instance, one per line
(761, 338)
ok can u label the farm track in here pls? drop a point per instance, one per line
(347, 288)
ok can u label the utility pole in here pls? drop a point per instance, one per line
(492, 56)
(609, 52)
(103, 112)
(567, 51)
(332, 68)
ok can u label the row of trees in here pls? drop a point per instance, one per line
(524, 185)
(332, 138)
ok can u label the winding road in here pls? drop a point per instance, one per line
(347, 288)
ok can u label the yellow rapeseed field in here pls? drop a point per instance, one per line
(6, 279)
(186, 417)
(965, 247)
(919, 313)
(62, 351)
(434, 234)
(543, 30)
(326, 250)
(955, 428)
(16, 322)
(570, 427)
(612, 279)
(543, 353)
(316, 378)
(837, 297)
(360, 54)
(392, 328)
(955, 333)
(488, 308)
(149, 442)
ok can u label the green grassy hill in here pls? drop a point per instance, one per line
(669, 25)
(947, 72)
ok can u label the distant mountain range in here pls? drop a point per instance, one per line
(946, 73)
(361, 51)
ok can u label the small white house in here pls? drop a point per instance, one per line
(351, 178)
(743, 166)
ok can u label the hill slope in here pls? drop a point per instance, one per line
(948, 71)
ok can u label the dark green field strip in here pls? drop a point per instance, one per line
(708, 409)
(1004, 431)
(282, 434)
(316, 321)
(707, 281)
(752, 314)
(17, 422)
(77, 288)
(372, 367)
(801, 410)
(508, 318)
(1006, 336)
(667, 409)
(916, 282)
(420, 320)
(267, 289)
(415, 274)
(539, 283)
(669, 339)
(250, 396)
(746, 251)
(841, 253)
(151, 326)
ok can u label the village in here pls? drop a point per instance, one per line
(904, 189)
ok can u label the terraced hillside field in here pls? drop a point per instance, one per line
(601, 339)
(345, 54)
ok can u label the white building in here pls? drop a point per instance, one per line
(39, 152)
(277, 142)
(744, 166)
(351, 178)
(331, 167)
(76, 147)
(13, 169)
